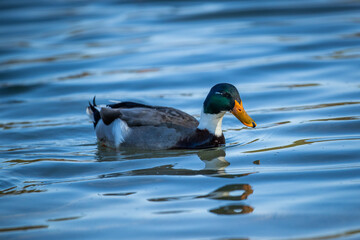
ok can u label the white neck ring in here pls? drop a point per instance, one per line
(211, 122)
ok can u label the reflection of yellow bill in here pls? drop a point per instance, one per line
(240, 113)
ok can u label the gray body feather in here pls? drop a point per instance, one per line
(148, 127)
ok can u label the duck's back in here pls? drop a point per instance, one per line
(135, 114)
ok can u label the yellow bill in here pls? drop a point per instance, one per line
(239, 112)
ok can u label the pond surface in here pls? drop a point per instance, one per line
(296, 65)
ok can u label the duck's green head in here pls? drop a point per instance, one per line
(224, 97)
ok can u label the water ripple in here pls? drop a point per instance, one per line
(296, 65)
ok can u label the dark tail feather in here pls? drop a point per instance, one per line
(96, 112)
(94, 103)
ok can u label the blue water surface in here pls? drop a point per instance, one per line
(296, 65)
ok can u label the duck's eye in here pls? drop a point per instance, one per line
(225, 94)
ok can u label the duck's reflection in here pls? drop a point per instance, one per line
(215, 166)
(214, 160)
(233, 210)
(227, 193)
(223, 193)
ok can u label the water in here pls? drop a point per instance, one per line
(295, 63)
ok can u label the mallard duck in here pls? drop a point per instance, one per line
(135, 125)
